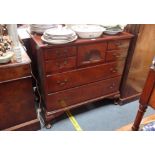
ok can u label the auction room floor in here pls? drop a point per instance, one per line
(99, 116)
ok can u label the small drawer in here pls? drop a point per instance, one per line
(62, 81)
(60, 65)
(115, 55)
(118, 45)
(91, 54)
(83, 93)
(59, 52)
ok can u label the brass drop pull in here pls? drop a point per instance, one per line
(62, 83)
(61, 65)
(112, 86)
(62, 102)
(113, 70)
(65, 62)
(117, 55)
(118, 43)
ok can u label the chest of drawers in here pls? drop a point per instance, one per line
(17, 106)
(80, 72)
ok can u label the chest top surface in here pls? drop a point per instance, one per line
(124, 35)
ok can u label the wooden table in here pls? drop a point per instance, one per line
(17, 106)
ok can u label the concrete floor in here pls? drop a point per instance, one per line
(99, 116)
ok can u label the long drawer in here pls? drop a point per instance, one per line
(79, 77)
(83, 93)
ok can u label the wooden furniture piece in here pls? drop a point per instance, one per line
(17, 106)
(80, 72)
(141, 52)
(144, 121)
(147, 97)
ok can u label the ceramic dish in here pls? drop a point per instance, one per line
(113, 30)
(88, 31)
(6, 57)
(41, 28)
(58, 41)
(61, 31)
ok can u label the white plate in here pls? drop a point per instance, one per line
(58, 41)
(42, 28)
(61, 31)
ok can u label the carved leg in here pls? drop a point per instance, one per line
(48, 121)
(116, 99)
(140, 114)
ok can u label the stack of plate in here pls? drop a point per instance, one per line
(41, 28)
(59, 35)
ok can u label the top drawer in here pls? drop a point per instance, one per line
(59, 52)
(118, 44)
(16, 72)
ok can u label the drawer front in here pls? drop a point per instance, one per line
(118, 45)
(79, 77)
(59, 52)
(60, 65)
(115, 55)
(11, 73)
(83, 93)
(91, 54)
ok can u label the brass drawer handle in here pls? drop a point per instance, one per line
(62, 102)
(112, 85)
(113, 70)
(62, 83)
(117, 55)
(118, 43)
(63, 64)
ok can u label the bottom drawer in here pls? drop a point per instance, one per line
(83, 93)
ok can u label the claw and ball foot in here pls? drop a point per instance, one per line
(48, 126)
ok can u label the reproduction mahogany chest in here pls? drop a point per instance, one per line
(80, 72)
(17, 106)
